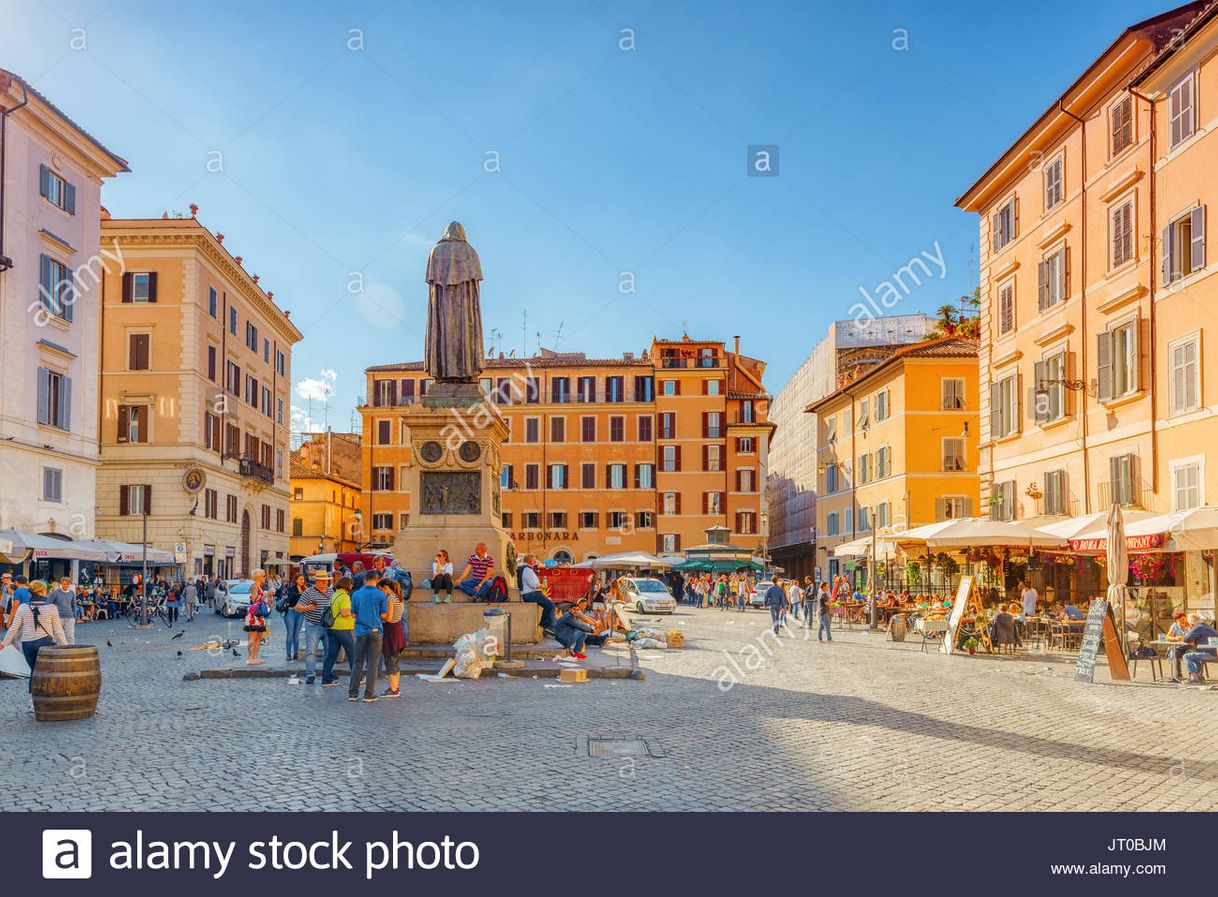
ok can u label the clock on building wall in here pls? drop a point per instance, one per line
(193, 480)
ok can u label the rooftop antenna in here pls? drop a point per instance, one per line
(558, 335)
(524, 334)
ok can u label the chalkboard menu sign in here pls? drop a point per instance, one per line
(1100, 628)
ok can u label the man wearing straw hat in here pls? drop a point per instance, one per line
(313, 603)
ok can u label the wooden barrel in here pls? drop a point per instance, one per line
(66, 683)
(899, 627)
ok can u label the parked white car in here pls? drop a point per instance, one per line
(648, 596)
(234, 601)
(757, 596)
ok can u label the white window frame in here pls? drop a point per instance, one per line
(955, 507)
(1008, 388)
(1113, 149)
(1182, 465)
(1114, 209)
(137, 499)
(1054, 172)
(958, 393)
(883, 462)
(1006, 289)
(55, 475)
(1192, 384)
(1005, 225)
(1051, 280)
(883, 405)
(1060, 476)
(1182, 245)
(945, 457)
(1186, 115)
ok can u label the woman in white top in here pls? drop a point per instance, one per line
(441, 577)
(37, 625)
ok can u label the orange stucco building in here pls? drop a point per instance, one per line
(640, 452)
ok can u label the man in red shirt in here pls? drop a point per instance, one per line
(475, 579)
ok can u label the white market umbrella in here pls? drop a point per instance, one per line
(1194, 530)
(982, 532)
(50, 547)
(1118, 570)
(861, 548)
(628, 559)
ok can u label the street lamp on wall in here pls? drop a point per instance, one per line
(1042, 388)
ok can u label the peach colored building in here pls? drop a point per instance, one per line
(195, 387)
(641, 452)
(1074, 367)
(897, 446)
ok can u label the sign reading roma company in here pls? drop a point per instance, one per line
(1147, 542)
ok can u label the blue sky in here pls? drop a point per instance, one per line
(349, 151)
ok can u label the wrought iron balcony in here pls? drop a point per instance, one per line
(256, 470)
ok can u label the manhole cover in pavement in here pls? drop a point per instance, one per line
(617, 747)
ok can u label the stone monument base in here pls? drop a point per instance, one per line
(416, 547)
(443, 624)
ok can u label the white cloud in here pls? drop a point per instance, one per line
(302, 423)
(317, 389)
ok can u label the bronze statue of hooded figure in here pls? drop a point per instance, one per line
(453, 350)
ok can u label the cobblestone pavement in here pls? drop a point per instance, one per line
(861, 724)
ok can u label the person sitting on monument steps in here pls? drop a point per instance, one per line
(530, 590)
(575, 629)
(442, 577)
(475, 579)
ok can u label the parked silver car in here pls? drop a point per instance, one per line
(648, 596)
(757, 595)
(234, 601)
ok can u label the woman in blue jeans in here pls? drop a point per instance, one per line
(342, 633)
(293, 620)
(36, 625)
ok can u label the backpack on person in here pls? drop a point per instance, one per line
(498, 590)
(327, 616)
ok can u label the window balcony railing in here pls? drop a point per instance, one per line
(1136, 494)
(708, 361)
(255, 469)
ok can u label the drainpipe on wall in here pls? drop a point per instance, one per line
(5, 83)
(1154, 405)
(1082, 298)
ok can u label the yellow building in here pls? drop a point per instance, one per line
(897, 446)
(195, 386)
(325, 494)
(641, 452)
(1091, 370)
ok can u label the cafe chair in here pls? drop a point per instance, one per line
(1154, 660)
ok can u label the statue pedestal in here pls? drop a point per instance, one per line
(454, 481)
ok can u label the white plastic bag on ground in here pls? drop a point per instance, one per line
(12, 663)
(649, 643)
(474, 652)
